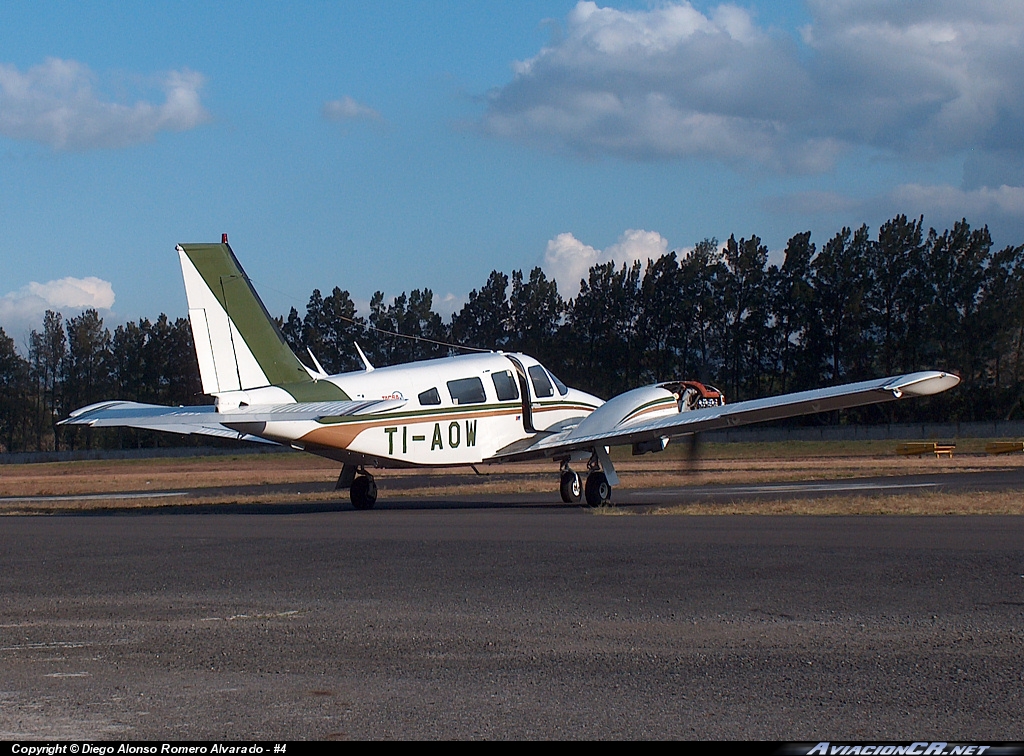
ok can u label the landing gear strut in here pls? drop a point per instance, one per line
(601, 478)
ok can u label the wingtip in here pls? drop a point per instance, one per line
(925, 383)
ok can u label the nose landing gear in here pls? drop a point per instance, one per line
(362, 488)
(364, 491)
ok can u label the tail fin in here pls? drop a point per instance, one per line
(237, 342)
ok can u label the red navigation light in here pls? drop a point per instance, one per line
(223, 238)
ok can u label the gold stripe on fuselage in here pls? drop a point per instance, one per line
(339, 433)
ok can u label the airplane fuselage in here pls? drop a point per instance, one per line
(452, 411)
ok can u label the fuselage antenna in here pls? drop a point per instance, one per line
(366, 362)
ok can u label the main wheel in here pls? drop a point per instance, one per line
(363, 492)
(599, 490)
(570, 487)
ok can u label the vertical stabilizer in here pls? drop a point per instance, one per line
(238, 345)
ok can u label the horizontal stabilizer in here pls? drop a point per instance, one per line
(206, 420)
(218, 432)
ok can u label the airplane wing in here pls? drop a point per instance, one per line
(621, 420)
(207, 421)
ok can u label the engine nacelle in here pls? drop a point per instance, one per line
(648, 403)
(640, 404)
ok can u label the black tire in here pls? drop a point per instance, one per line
(570, 487)
(363, 492)
(599, 491)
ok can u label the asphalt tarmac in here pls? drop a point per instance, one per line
(490, 619)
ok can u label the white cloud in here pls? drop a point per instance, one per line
(951, 202)
(1000, 208)
(55, 104)
(646, 84)
(23, 309)
(448, 304)
(921, 78)
(568, 260)
(348, 109)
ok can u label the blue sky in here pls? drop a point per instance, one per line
(399, 145)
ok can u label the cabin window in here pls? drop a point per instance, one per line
(541, 384)
(505, 386)
(467, 391)
(430, 396)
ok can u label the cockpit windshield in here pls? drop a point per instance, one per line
(541, 384)
(562, 388)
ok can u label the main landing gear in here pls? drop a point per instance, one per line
(600, 479)
(362, 488)
(569, 485)
(599, 490)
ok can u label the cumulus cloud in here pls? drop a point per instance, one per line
(348, 109)
(668, 81)
(56, 104)
(568, 260)
(949, 201)
(23, 309)
(944, 202)
(448, 304)
(919, 78)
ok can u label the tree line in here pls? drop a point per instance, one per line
(861, 306)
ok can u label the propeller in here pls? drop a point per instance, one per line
(693, 452)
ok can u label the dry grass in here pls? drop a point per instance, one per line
(934, 503)
(99, 503)
(70, 478)
(205, 478)
(65, 478)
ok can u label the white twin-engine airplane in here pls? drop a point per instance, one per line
(461, 410)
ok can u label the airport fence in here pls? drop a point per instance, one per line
(995, 429)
